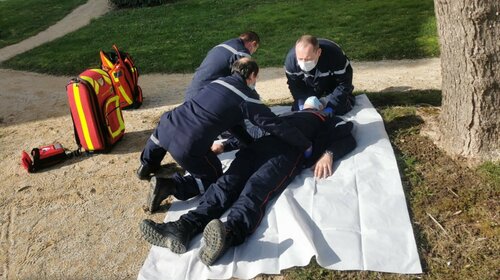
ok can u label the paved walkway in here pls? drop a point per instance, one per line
(78, 18)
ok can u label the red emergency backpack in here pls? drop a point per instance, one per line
(124, 77)
(95, 110)
(97, 121)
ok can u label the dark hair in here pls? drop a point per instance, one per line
(245, 67)
(308, 39)
(250, 36)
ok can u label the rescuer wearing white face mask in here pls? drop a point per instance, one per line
(319, 67)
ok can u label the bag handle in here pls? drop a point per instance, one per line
(117, 52)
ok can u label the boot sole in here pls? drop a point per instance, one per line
(153, 192)
(151, 234)
(215, 236)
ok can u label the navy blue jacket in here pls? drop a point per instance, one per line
(332, 74)
(217, 64)
(325, 132)
(222, 105)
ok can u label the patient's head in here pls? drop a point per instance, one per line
(312, 102)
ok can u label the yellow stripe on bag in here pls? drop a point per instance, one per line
(122, 91)
(92, 82)
(81, 116)
(108, 62)
(104, 75)
(116, 99)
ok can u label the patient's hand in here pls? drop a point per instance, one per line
(324, 166)
(217, 148)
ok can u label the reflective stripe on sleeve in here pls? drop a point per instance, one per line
(233, 50)
(321, 74)
(155, 140)
(237, 91)
(340, 72)
(199, 183)
(294, 73)
(341, 123)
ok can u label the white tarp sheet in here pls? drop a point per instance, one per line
(357, 219)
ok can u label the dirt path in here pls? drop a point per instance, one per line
(79, 220)
(24, 91)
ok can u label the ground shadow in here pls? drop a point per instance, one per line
(402, 123)
(422, 242)
(132, 142)
(67, 162)
(395, 127)
(407, 98)
(23, 102)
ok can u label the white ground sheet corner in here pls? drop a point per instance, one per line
(357, 219)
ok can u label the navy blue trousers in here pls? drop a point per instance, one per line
(257, 175)
(206, 168)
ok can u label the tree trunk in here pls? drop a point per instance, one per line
(469, 36)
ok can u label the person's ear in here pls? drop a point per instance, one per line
(253, 77)
(318, 52)
(255, 46)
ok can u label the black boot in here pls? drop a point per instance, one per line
(172, 235)
(144, 171)
(159, 190)
(217, 241)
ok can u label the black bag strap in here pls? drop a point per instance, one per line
(75, 133)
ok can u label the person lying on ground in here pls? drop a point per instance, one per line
(188, 131)
(259, 173)
(232, 143)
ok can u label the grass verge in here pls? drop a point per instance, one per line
(175, 37)
(22, 19)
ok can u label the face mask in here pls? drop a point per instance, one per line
(313, 103)
(307, 65)
(251, 86)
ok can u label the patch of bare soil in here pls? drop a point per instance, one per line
(454, 209)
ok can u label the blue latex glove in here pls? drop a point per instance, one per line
(328, 110)
(308, 153)
(300, 102)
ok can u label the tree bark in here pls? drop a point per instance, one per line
(469, 36)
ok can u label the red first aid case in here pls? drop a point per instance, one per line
(95, 110)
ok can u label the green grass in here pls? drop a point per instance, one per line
(491, 171)
(20, 19)
(175, 37)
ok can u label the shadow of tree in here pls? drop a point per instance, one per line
(406, 98)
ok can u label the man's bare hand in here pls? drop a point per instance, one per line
(324, 166)
(217, 148)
